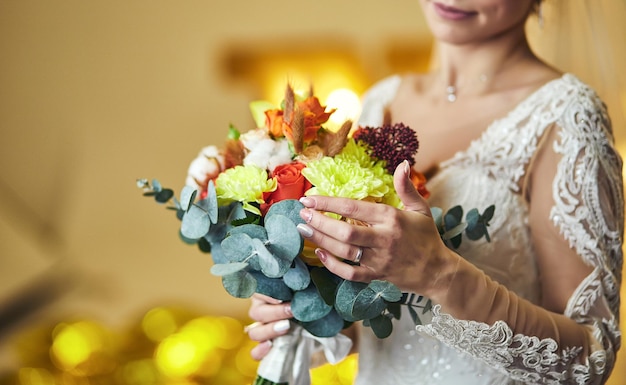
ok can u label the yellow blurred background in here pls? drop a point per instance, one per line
(94, 94)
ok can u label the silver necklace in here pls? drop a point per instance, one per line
(452, 89)
(451, 93)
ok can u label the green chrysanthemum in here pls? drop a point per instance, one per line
(244, 184)
(339, 177)
(357, 153)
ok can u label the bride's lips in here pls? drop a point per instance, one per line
(451, 13)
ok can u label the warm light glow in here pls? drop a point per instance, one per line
(346, 102)
(159, 323)
(35, 376)
(73, 344)
(342, 373)
(177, 356)
(243, 360)
(140, 372)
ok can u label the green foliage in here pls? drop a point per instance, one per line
(451, 226)
(308, 305)
(254, 254)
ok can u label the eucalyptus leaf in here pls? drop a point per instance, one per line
(455, 231)
(428, 307)
(236, 212)
(186, 240)
(142, 183)
(437, 214)
(488, 213)
(347, 293)
(368, 304)
(308, 305)
(187, 197)
(416, 319)
(326, 283)
(476, 229)
(204, 245)
(271, 265)
(272, 287)
(164, 195)
(283, 236)
(385, 289)
(217, 254)
(453, 217)
(252, 230)
(238, 247)
(209, 204)
(156, 185)
(289, 208)
(240, 284)
(297, 277)
(195, 223)
(228, 268)
(327, 326)
(381, 326)
(394, 309)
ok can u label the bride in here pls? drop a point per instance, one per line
(539, 302)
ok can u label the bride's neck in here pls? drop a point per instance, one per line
(479, 66)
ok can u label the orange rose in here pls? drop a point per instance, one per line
(419, 181)
(290, 184)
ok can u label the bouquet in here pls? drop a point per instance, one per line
(240, 204)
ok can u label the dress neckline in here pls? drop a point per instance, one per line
(529, 99)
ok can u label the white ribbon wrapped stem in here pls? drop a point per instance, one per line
(289, 360)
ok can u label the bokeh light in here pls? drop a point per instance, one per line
(347, 103)
(165, 346)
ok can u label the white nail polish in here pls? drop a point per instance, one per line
(281, 326)
(305, 230)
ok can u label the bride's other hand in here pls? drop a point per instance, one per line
(271, 318)
(401, 246)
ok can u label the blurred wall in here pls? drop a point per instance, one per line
(94, 94)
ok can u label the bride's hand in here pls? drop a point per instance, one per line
(271, 318)
(401, 246)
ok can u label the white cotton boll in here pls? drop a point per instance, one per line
(268, 154)
(207, 165)
(260, 153)
(253, 138)
(282, 155)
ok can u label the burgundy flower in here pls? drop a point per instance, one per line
(391, 143)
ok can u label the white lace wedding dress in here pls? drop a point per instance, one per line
(589, 213)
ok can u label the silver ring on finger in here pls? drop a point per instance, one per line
(359, 255)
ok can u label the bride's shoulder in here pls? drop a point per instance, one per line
(382, 94)
(384, 91)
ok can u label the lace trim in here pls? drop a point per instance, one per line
(524, 358)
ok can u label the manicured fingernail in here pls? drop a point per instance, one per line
(288, 311)
(308, 202)
(281, 326)
(306, 214)
(305, 230)
(407, 168)
(268, 343)
(321, 255)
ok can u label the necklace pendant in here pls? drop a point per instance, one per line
(451, 93)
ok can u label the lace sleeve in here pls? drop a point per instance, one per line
(588, 212)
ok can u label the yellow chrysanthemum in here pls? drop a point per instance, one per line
(244, 184)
